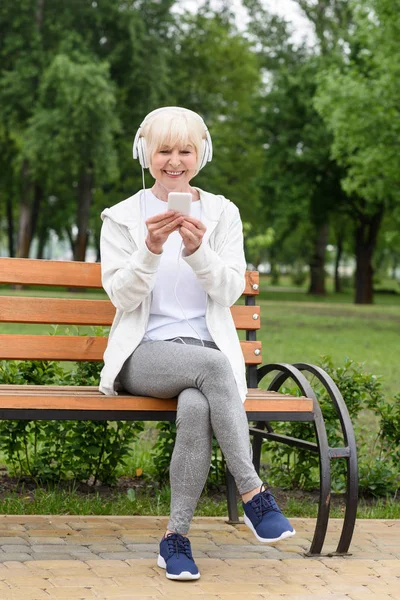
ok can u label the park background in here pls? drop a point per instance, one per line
(303, 110)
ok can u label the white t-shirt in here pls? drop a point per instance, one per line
(178, 300)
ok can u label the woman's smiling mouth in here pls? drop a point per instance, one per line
(174, 173)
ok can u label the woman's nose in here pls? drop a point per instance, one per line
(175, 159)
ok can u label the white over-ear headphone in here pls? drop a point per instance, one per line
(139, 143)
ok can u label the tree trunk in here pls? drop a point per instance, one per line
(10, 227)
(339, 252)
(317, 262)
(29, 211)
(365, 243)
(24, 227)
(84, 202)
(39, 15)
(395, 264)
(42, 239)
(68, 231)
(37, 200)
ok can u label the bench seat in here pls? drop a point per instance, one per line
(89, 399)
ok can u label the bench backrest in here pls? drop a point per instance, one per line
(73, 311)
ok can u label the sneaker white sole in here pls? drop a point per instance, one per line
(283, 536)
(184, 576)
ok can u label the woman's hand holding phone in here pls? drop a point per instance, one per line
(192, 231)
(159, 227)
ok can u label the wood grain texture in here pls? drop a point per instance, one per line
(64, 398)
(28, 271)
(78, 348)
(87, 312)
(56, 310)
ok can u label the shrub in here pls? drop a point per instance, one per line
(378, 459)
(52, 451)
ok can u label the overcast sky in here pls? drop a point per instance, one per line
(289, 9)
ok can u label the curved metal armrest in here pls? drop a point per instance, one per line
(326, 453)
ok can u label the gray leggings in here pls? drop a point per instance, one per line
(208, 400)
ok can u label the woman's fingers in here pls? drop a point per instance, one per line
(195, 222)
(167, 223)
(197, 228)
(161, 216)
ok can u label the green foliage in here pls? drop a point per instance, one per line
(163, 448)
(359, 101)
(162, 454)
(298, 274)
(256, 244)
(54, 451)
(361, 391)
(75, 122)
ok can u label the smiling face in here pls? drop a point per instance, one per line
(174, 166)
(173, 134)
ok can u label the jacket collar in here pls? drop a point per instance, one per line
(128, 213)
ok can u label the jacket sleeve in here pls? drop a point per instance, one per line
(221, 272)
(127, 276)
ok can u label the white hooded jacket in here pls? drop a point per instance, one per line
(128, 277)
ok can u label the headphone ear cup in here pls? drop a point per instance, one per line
(142, 152)
(204, 154)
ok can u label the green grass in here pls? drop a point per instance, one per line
(293, 332)
(45, 502)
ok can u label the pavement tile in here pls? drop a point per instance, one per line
(21, 557)
(79, 558)
(49, 563)
(56, 549)
(354, 595)
(56, 556)
(14, 539)
(15, 548)
(71, 593)
(88, 580)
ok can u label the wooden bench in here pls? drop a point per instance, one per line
(35, 402)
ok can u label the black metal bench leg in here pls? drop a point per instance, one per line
(349, 520)
(349, 452)
(292, 371)
(233, 515)
(325, 484)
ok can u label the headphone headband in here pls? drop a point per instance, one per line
(139, 144)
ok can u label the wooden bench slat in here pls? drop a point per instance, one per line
(88, 312)
(93, 391)
(60, 399)
(55, 311)
(53, 273)
(71, 274)
(78, 348)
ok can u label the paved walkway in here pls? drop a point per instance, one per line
(79, 558)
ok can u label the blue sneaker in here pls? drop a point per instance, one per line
(263, 516)
(176, 557)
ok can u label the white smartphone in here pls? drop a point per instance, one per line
(180, 201)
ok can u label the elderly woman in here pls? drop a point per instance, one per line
(172, 279)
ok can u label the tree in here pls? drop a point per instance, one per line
(218, 77)
(300, 181)
(22, 57)
(129, 40)
(71, 135)
(359, 101)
